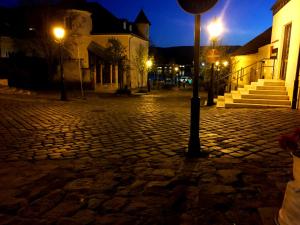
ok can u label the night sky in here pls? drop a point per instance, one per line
(171, 26)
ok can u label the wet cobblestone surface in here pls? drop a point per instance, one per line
(120, 160)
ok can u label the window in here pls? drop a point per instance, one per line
(69, 23)
(124, 25)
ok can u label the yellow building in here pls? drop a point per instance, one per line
(274, 54)
(89, 29)
(286, 41)
(252, 61)
(89, 32)
(86, 45)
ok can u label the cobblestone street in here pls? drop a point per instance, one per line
(120, 160)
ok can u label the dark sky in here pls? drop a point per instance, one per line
(171, 26)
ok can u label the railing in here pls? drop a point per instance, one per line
(238, 75)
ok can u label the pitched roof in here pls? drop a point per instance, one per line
(14, 21)
(142, 18)
(252, 46)
(104, 22)
(279, 4)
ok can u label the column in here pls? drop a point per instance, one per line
(101, 74)
(111, 73)
(116, 76)
(95, 77)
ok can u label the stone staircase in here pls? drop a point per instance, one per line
(261, 94)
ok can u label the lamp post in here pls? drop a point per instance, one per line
(196, 7)
(59, 35)
(149, 65)
(215, 29)
(176, 74)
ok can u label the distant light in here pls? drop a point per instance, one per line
(225, 63)
(203, 64)
(149, 63)
(31, 28)
(176, 69)
(217, 63)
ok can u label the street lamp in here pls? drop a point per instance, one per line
(149, 65)
(196, 7)
(225, 63)
(215, 29)
(176, 74)
(59, 35)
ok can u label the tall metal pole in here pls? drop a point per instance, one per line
(210, 96)
(63, 95)
(194, 148)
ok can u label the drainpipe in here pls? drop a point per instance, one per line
(296, 85)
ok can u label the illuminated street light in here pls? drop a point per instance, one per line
(177, 75)
(149, 64)
(59, 35)
(215, 30)
(225, 63)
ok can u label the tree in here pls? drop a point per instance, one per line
(140, 61)
(37, 41)
(116, 54)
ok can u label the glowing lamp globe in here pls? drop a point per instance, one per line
(59, 33)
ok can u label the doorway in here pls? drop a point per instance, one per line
(285, 51)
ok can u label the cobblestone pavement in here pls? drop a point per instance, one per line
(119, 160)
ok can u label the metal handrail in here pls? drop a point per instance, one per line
(240, 73)
(230, 74)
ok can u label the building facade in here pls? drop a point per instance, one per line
(286, 42)
(89, 30)
(273, 54)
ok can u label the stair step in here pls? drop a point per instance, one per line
(263, 101)
(228, 95)
(274, 83)
(275, 88)
(220, 104)
(275, 97)
(244, 105)
(267, 92)
(221, 98)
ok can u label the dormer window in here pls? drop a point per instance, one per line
(124, 25)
